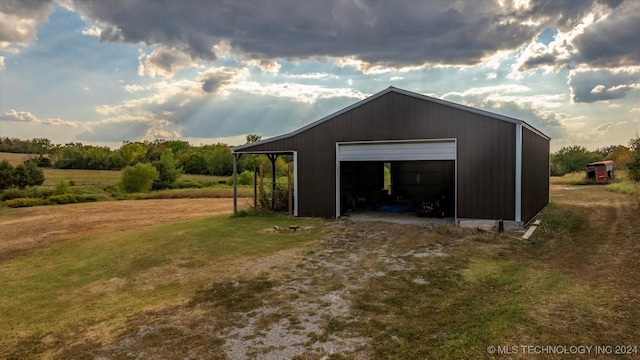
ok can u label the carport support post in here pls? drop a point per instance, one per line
(273, 158)
(236, 157)
(255, 187)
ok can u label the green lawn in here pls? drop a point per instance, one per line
(95, 284)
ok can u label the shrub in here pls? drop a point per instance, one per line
(12, 193)
(39, 192)
(90, 197)
(633, 166)
(281, 195)
(40, 161)
(6, 175)
(138, 178)
(63, 186)
(168, 171)
(22, 202)
(21, 176)
(188, 184)
(64, 199)
(244, 178)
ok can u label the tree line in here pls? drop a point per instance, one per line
(215, 159)
(574, 158)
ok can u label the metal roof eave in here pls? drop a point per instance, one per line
(384, 92)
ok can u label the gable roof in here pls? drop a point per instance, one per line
(380, 94)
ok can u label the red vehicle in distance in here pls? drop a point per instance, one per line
(601, 171)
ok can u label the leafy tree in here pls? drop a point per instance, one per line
(251, 138)
(571, 159)
(6, 175)
(78, 156)
(168, 170)
(177, 146)
(132, 153)
(620, 155)
(26, 174)
(607, 150)
(250, 162)
(194, 161)
(219, 159)
(633, 166)
(139, 177)
(41, 146)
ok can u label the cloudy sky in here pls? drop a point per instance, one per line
(100, 72)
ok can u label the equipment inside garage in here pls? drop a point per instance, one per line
(423, 188)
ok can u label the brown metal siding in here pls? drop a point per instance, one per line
(486, 152)
(535, 174)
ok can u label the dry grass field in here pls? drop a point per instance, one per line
(108, 284)
(15, 159)
(27, 229)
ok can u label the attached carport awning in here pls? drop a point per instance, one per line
(238, 153)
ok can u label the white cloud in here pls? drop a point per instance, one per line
(313, 75)
(214, 80)
(134, 88)
(27, 117)
(602, 128)
(498, 89)
(60, 122)
(2, 63)
(122, 127)
(20, 22)
(92, 31)
(268, 66)
(572, 123)
(163, 134)
(20, 116)
(375, 69)
(592, 85)
(163, 61)
(163, 92)
(302, 93)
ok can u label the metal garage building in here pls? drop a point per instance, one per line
(490, 166)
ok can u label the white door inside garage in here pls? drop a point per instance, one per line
(387, 151)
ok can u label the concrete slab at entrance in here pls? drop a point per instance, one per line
(398, 218)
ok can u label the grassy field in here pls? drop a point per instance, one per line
(94, 285)
(621, 183)
(103, 184)
(227, 288)
(92, 177)
(15, 159)
(106, 177)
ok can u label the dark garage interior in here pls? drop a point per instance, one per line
(417, 188)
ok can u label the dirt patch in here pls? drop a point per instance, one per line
(25, 229)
